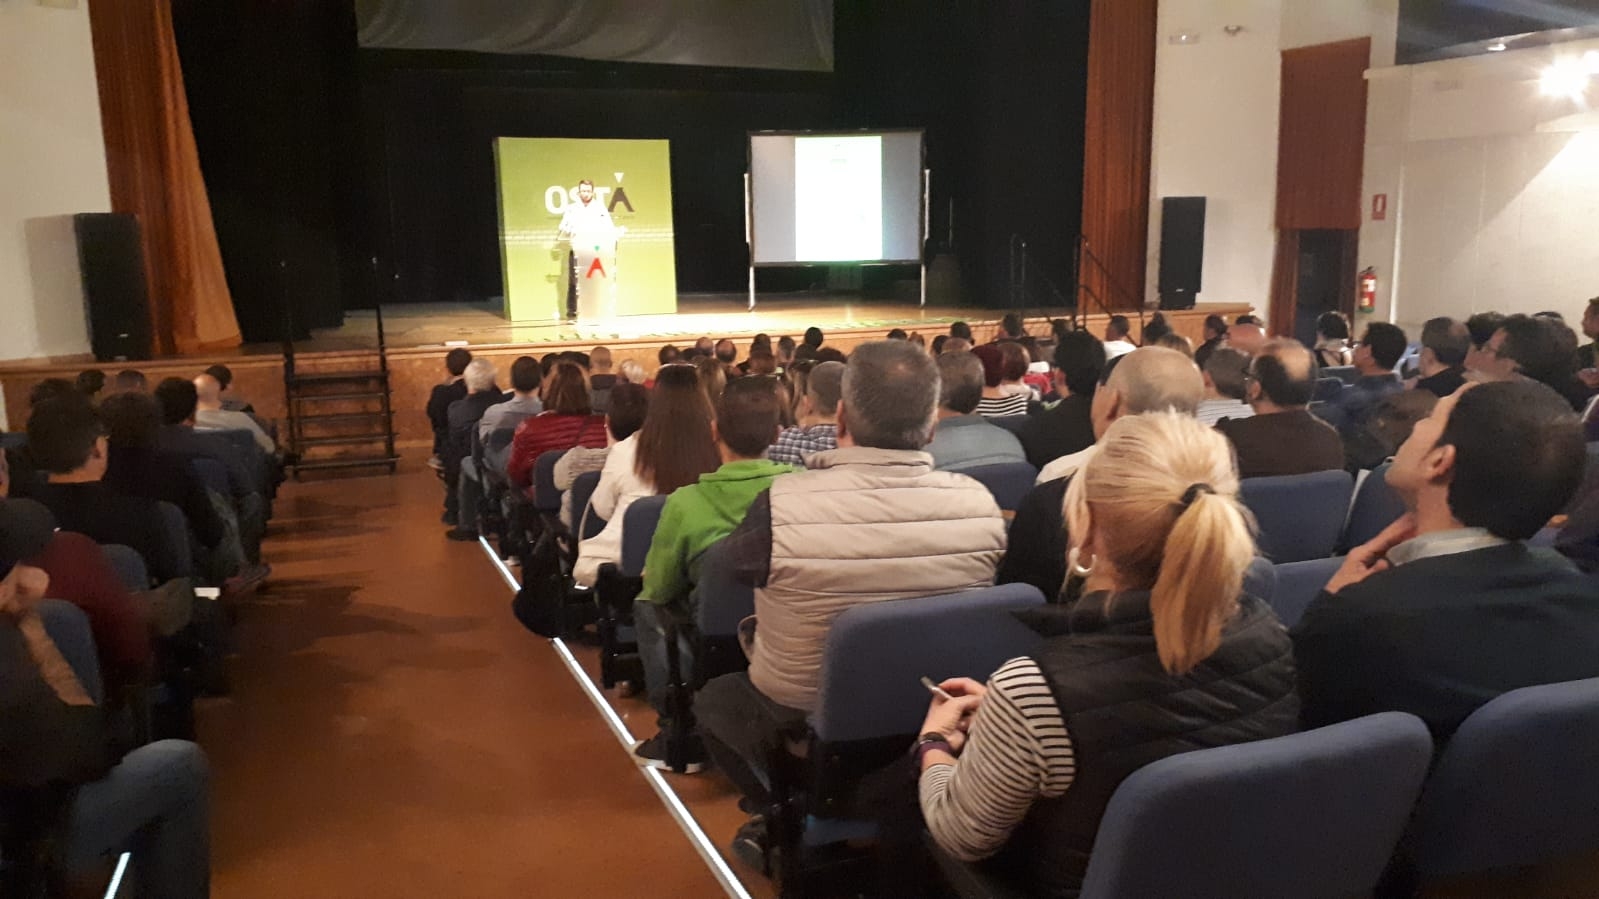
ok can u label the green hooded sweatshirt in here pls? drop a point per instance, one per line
(697, 516)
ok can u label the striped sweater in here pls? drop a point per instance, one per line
(1017, 752)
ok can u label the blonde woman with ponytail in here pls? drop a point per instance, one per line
(1163, 653)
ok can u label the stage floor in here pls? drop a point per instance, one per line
(415, 325)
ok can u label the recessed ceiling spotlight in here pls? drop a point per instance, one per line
(1496, 48)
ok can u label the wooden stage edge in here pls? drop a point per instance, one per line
(417, 336)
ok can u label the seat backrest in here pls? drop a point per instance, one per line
(1515, 785)
(1344, 373)
(497, 446)
(130, 567)
(176, 531)
(1007, 481)
(69, 630)
(720, 601)
(1376, 506)
(1316, 813)
(1298, 585)
(1326, 389)
(638, 529)
(583, 486)
(877, 653)
(1260, 579)
(213, 474)
(546, 497)
(1301, 516)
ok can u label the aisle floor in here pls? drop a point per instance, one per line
(393, 732)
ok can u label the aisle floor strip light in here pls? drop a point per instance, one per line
(663, 789)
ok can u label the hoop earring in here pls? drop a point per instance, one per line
(1072, 561)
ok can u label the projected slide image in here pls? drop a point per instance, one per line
(838, 198)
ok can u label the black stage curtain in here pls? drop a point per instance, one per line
(327, 156)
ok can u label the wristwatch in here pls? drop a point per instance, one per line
(930, 741)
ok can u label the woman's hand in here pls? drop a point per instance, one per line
(22, 589)
(949, 718)
(963, 686)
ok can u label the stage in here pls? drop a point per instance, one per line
(418, 335)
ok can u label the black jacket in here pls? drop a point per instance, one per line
(1036, 550)
(1124, 711)
(1438, 637)
(1057, 432)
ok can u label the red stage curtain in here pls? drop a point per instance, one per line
(155, 174)
(1116, 148)
(1321, 138)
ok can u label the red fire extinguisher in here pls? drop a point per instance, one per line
(1368, 289)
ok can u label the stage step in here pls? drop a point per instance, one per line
(311, 432)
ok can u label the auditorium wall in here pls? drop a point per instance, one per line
(1493, 189)
(52, 164)
(1216, 114)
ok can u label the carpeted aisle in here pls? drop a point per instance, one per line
(394, 732)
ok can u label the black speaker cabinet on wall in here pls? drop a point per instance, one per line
(111, 257)
(1182, 250)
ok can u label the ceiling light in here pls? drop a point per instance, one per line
(1567, 77)
(1496, 48)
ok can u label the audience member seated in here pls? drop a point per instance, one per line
(1449, 607)
(438, 408)
(961, 331)
(817, 430)
(230, 401)
(674, 447)
(785, 352)
(1482, 326)
(631, 372)
(1118, 341)
(138, 468)
(1375, 358)
(760, 343)
(1214, 334)
(761, 362)
(1163, 654)
(523, 402)
(1246, 335)
(1587, 362)
(1444, 345)
(704, 348)
(961, 438)
(1332, 340)
(713, 378)
(463, 487)
(601, 379)
(694, 518)
(1225, 373)
(1152, 379)
(1541, 349)
(81, 574)
(178, 400)
(1175, 341)
(90, 382)
(1067, 427)
(996, 401)
(73, 801)
(129, 381)
(567, 421)
(726, 352)
(630, 403)
(1387, 428)
(810, 343)
(868, 522)
(69, 446)
(1014, 363)
(209, 414)
(1282, 437)
(1155, 329)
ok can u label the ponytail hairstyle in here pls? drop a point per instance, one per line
(1161, 497)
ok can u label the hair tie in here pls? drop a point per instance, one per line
(1193, 492)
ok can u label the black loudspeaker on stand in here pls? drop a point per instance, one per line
(111, 258)
(1182, 250)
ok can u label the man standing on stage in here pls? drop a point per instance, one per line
(583, 217)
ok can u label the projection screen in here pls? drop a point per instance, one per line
(818, 198)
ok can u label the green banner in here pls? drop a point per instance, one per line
(539, 179)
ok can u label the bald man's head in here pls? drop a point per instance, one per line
(1151, 379)
(209, 391)
(1283, 375)
(1247, 337)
